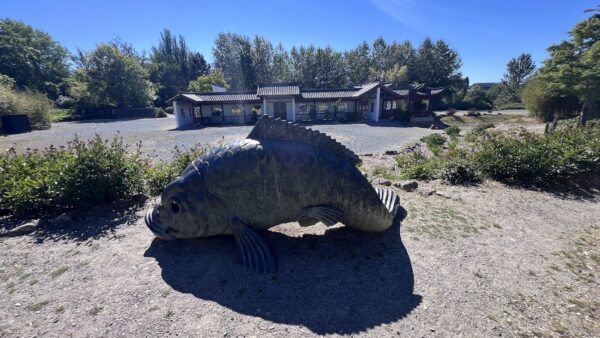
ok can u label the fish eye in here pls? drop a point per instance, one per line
(174, 207)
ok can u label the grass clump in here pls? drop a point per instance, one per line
(459, 171)
(159, 112)
(35, 104)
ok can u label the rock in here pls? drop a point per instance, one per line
(368, 154)
(433, 126)
(383, 181)
(391, 152)
(407, 185)
(448, 195)
(23, 229)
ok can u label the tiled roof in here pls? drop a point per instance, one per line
(222, 97)
(366, 88)
(278, 89)
(328, 94)
(312, 94)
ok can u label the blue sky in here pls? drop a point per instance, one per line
(486, 33)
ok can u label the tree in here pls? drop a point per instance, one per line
(357, 64)
(543, 102)
(262, 60)
(573, 68)
(281, 65)
(518, 70)
(111, 75)
(204, 82)
(173, 65)
(32, 58)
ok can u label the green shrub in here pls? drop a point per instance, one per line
(458, 172)
(159, 112)
(169, 110)
(434, 140)
(80, 175)
(452, 131)
(426, 170)
(521, 156)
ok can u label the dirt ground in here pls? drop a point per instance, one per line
(477, 261)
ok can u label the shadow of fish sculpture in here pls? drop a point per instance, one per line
(280, 173)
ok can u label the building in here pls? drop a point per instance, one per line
(372, 102)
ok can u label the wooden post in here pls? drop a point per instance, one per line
(222, 113)
(244, 110)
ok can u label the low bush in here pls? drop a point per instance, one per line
(459, 171)
(434, 140)
(523, 157)
(81, 175)
(169, 110)
(452, 131)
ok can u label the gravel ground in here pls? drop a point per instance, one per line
(467, 261)
(159, 136)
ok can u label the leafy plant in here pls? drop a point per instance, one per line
(452, 131)
(458, 172)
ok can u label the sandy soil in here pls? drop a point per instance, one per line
(485, 261)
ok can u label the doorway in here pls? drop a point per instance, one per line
(279, 110)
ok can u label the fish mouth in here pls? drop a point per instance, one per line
(152, 217)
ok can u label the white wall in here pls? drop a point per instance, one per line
(184, 113)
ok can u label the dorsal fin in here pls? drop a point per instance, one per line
(268, 128)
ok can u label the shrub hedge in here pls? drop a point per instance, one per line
(80, 175)
(516, 157)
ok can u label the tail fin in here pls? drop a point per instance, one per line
(389, 198)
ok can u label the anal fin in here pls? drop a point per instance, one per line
(326, 214)
(253, 249)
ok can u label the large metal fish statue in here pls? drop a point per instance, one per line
(280, 173)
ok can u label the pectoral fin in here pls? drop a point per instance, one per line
(326, 214)
(253, 248)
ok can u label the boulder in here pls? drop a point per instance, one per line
(23, 229)
(391, 152)
(383, 181)
(407, 185)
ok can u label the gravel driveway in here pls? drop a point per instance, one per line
(159, 136)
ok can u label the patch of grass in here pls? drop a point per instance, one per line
(61, 115)
(36, 306)
(440, 222)
(60, 309)
(33, 282)
(95, 310)
(165, 293)
(169, 313)
(379, 170)
(153, 308)
(478, 274)
(56, 273)
(470, 120)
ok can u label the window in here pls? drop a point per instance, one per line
(363, 106)
(389, 105)
(216, 111)
(372, 106)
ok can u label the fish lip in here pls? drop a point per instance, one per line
(150, 220)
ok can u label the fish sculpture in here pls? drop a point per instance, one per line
(280, 173)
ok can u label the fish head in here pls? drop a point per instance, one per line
(187, 210)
